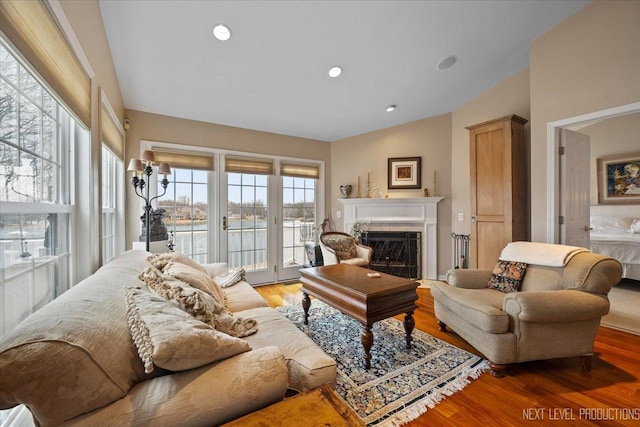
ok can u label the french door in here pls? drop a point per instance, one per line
(247, 225)
(265, 221)
(298, 225)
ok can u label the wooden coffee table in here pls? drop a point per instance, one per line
(348, 289)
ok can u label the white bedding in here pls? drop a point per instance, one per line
(614, 233)
(625, 247)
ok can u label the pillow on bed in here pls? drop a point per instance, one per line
(606, 223)
(635, 226)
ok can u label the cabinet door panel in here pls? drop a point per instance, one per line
(490, 166)
(491, 236)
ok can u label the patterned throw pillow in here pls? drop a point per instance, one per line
(345, 247)
(507, 276)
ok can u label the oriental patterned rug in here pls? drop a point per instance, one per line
(402, 384)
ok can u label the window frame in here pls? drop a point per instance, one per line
(116, 208)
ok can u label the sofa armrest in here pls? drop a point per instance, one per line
(469, 279)
(216, 268)
(555, 306)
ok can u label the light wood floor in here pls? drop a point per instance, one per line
(532, 393)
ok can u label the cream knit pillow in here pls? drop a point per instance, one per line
(198, 303)
(169, 338)
(195, 278)
(160, 260)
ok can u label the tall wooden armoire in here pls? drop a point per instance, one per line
(498, 188)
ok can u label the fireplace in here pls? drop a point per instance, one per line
(417, 215)
(395, 252)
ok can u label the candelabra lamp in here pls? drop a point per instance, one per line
(142, 170)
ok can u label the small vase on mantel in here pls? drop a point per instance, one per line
(346, 190)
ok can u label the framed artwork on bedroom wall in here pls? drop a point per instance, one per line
(619, 179)
(404, 173)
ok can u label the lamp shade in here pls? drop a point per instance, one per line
(164, 169)
(147, 156)
(135, 165)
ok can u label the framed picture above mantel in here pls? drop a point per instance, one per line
(619, 179)
(405, 173)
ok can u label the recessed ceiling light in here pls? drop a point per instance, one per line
(222, 32)
(390, 108)
(447, 62)
(335, 71)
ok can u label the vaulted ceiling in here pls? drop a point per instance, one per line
(272, 74)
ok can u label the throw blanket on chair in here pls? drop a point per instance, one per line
(548, 254)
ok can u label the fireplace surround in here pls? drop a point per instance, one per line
(419, 214)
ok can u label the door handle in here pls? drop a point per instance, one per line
(587, 228)
(224, 223)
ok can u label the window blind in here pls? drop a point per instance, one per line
(34, 32)
(112, 136)
(183, 159)
(248, 165)
(300, 170)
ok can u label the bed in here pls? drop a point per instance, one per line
(615, 232)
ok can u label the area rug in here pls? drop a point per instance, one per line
(623, 312)
(401, 384)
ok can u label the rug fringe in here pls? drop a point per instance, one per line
(429, 402)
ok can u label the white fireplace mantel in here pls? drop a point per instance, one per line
(400, 214)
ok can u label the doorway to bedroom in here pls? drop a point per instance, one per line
(610, 132)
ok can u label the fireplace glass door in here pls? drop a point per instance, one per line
(395, 252)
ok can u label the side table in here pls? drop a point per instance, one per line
(319, 407)
(314, 255)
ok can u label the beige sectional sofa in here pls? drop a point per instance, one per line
(74, 361)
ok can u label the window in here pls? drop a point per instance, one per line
(35, 157)
(254, 212)
(111, 170)
(187, 212)
(37, 160)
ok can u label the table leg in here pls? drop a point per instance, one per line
(409, 324)
(306, 303)
(367, 343)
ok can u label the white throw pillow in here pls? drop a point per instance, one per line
(635, 226)
(216, 268)
(606, 223)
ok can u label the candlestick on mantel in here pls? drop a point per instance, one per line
(368, 185)
(358, 193)
(435, 183)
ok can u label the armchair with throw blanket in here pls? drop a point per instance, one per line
(541, 301)
(342, 248)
